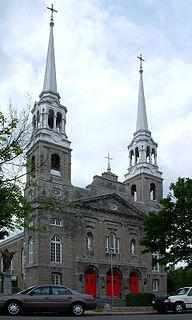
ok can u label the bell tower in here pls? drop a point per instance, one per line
(49, 152)
(144, 180)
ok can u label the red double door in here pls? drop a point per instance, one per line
(90, 283)
(133, 282)
(115, 280)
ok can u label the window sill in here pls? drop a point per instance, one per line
(112, 253)
(56, 173)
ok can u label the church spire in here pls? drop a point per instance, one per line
(143, 177)
(141, 111)
(50, 82)
(49, 116)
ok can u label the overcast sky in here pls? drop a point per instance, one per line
(96, 46)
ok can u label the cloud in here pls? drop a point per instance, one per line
(96, 44)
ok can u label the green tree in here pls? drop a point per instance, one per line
(169, 231)
(178, 278)
(15, 210)
(13, 206)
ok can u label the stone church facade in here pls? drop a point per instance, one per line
(92, 245)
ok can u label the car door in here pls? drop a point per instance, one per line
(189, 300)
(62, 297)
(38, 299)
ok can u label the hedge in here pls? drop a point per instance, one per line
(139, 299)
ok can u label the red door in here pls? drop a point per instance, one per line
(115, 284)
(90, 287)
(133, 282)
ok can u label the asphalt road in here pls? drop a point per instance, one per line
(169, 316)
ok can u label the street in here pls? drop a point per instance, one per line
(169, 316)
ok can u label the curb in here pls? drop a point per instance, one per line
(118, 313)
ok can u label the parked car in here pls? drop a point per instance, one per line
(47, 298)
(177, 302)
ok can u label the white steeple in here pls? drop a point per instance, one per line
(49, 116)
(50, 82)
(142, 149)
(141, 111)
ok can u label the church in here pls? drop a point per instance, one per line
(91, 245)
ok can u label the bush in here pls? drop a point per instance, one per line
(139, 299)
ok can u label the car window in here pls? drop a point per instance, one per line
(61, 291)
(190, 293)
(182, 291)
(26, 290)
(40, 291)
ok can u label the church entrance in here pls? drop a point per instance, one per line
(133, 282)
(115, 281)
(90, 283)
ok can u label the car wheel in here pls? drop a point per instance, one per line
(13, 308)
(178, 307)
(77, 309)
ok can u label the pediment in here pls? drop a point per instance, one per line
(112, 203)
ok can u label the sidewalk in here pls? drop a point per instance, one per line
(123, 311)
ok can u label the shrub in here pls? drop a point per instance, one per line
(139, 299)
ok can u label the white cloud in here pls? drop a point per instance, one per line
(96, 44)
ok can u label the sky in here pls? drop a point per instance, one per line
(96, 47)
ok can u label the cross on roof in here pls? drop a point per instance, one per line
(141, 62)
(52, 10)
(109, 165)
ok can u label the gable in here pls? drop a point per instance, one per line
(111, 203)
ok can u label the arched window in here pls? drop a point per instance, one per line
(34, 122)
(148, 154)
(131, 157)
(134, 192)
(30, 250)
(89, 241)
(51, 119)
(132, 247)
(153, 154)
(136, 155)
(38, 117)
(56, 278)
(155, 285)
(152, 191)
(112, 240)
(55, 162)
(43, 118)
(33, 165)
(59, 121)
(56, 249)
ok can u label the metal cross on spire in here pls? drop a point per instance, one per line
(109, 164)
(141, 63)
(52, 10)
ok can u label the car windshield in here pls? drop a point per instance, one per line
(26, 290)
(181, 291)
